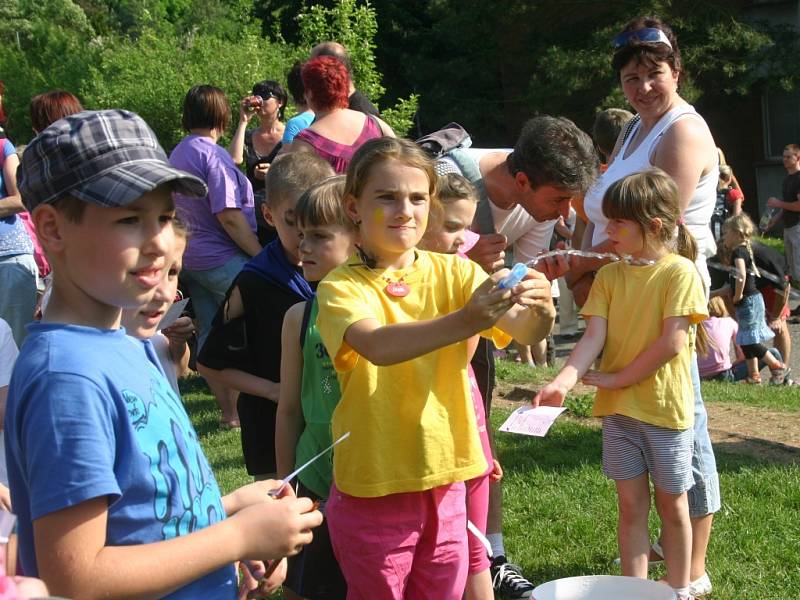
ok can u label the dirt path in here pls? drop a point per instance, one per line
(739, 429)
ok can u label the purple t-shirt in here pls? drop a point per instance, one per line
(209, 244)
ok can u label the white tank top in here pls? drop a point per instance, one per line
(701, 206)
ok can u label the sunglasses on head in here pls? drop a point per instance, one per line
(650, 35)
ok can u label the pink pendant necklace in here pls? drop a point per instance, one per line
(395, 289)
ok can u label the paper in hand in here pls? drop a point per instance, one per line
(173, 313)
(529, 420)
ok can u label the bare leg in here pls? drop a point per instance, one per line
(633, 496)
(752, 367)
(676, 536)
(701, 533)
(479, 586)
(226, 399)
(783, 342)
(524, 353)
(539, 352)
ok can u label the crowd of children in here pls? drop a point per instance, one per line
(358, 320)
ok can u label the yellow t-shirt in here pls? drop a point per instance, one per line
(635, 300)
(412, 424)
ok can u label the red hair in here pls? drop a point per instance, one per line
(327, 80)
(49, 107)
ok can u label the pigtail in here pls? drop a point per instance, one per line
(685, 244)
(752, 258)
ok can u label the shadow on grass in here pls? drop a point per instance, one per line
(568, 445)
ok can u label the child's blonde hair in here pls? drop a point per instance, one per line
(451, 187)
(379, 150)
(743, 225)
(725, 174)
(321, 205)
(717, 308)
(646, 196)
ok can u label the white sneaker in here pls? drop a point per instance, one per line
(700, 586)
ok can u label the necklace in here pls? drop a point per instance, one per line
(395, 288)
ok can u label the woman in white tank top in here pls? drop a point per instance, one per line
(669, 134)
(672, 136)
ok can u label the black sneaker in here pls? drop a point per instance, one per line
(507, 580)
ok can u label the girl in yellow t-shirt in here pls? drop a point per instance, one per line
(641, 313)
(395, 321)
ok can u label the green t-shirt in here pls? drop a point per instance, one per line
(319, 396)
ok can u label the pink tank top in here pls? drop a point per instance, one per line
(337, 154)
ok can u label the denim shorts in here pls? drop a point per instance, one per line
(207, 289)
(18, 281)
(704, 496)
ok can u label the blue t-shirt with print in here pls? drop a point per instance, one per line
(90, 414)
(14, 238)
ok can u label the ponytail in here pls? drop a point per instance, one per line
(685, 243)
(752, 258)
(686, 246)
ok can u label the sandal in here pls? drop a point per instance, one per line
(230, 423)
(754, 379)
(778, 376)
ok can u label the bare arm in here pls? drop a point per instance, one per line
(242, 381)
(385, 129)
(289, 424)
(74, 560)
(236, 226)
(12, 203)
(399, 342)
(668, 345)
(741, 273)
(686, 152)
(236, 149)
(583, 355)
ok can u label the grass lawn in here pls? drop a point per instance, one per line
(560, 511)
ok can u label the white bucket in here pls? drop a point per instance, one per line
(603, 587)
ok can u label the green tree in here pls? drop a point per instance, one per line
(354, 25)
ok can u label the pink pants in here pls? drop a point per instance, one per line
(478, 488)
(411, 545)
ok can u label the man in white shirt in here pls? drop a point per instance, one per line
(522, 194)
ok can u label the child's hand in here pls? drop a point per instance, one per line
(255, 583)
(497, 472)
(487, 303)
(533, 291)
(276, 528)
(180, 331)
(608, 381)
(253, 493)
(552, 394)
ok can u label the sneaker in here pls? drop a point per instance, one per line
(507, 580)
(700, 586)
(777, 375)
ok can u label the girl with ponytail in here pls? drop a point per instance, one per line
(642, 313)
(748, 301)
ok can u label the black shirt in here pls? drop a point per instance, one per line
(361, 103)
(791, 185)
(750, 280)
(252, 343)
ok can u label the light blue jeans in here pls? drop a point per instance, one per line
(704, 496)
(207, 289)
(18, 275)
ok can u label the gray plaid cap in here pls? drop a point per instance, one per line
(106, 157)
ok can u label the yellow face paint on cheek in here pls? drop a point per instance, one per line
(623, 233)
(378, 216)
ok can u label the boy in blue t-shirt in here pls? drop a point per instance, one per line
(113, 492)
